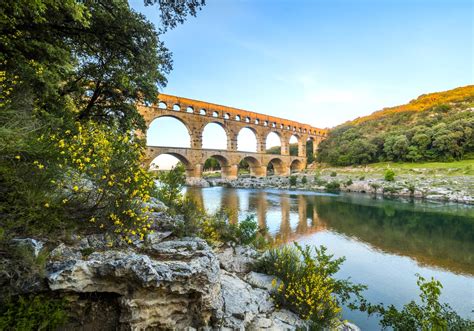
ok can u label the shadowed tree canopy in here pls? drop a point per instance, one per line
(100, 55)
(71, 75)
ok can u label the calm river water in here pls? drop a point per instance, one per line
(385, 242)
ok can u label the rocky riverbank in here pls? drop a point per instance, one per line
(459, 189)
(162, 282)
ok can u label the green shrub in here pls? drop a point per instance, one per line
(375, 186)
(307, 284)
(349, 182)
(333, 186)
(389, 175)
(411, 188)
(429, 315)
(170, 186)
(292, 180)
(361, 177)
(333, 174)
(304, 180)
(32, 313)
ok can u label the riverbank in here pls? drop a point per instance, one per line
(449, 182)
(164, 281)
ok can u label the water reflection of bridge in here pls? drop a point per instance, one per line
(307, 217)
(427, 235)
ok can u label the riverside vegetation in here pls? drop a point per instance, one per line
(81, 240)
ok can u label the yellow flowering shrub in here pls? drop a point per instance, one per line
(103, 175)
(306, 284)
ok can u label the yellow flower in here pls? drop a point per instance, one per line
(18, 157)
(75, 188)
(65, 200)
(46, 205)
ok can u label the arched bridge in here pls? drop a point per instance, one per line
(195, 115)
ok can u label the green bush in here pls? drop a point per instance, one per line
(349, 182)
(307, 285)
(32, 313)
(389, 175)
(304, 180)
(333, 174)
(361, 177)
(333, 186)
(292, 180)
(429, 315)
(375, 186)
(411, 188)
(171, 184)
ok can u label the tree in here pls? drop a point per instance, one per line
(71, 71)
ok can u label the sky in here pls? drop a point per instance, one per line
(313, 61)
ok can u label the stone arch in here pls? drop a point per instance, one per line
(178, 119)
(162, 105)
(279, 167)
(255, 166)
(180, 157)
(296, 165)
(216, 141)
(228, 170)
(250, 134)
(176, 107)
(271, 138)
(294, 142)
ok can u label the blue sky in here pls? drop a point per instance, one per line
(318, 62)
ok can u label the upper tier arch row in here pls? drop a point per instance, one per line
(205, 109)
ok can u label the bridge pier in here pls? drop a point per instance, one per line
(230, 171)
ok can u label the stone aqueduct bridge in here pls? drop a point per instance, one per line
(195, 115)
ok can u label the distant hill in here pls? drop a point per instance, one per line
(437, 126)
(423, 102)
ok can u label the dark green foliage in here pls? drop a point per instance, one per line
(292, 180)
(349, 182)
(333, 174)
(389, 175)
(333, 186)
(440, 133)
(32, 313)
(212, 164)
(429, 315)
(66, 63)
(304, 180)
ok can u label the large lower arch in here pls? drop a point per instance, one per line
(296, 166)
(227, 169)
(191, 170)
(279, 167)
(255, 167)
(159, 134)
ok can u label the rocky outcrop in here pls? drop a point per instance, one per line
(237, 259)
(171, 284)
(160, 283)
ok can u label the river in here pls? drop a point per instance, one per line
(385, 241)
